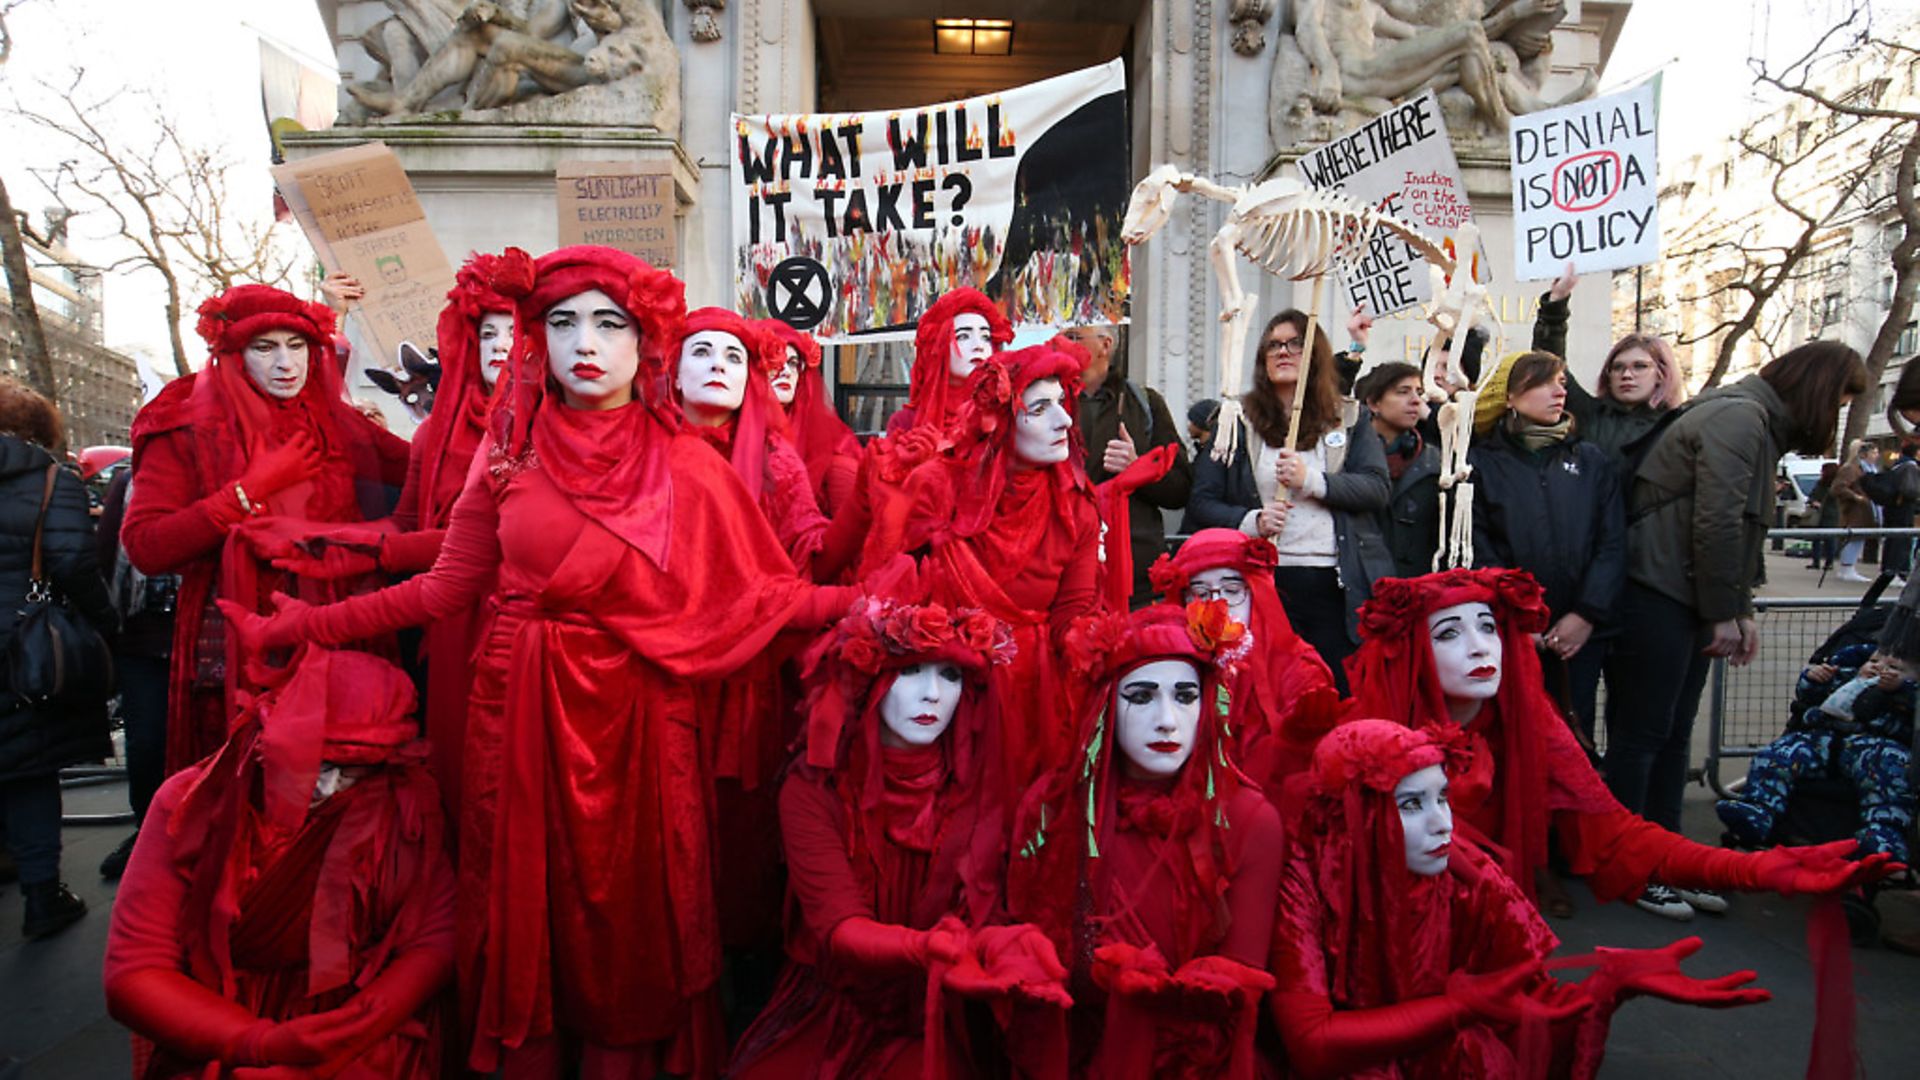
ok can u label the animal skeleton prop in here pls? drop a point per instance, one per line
(1290, 230)
(1458, 306)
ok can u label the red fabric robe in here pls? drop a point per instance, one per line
(586, 877)
(371, 855)
(189, 449)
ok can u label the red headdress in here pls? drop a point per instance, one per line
(1075, 813)
(233, 419)
(985, 446)
(759, 417)
(930, 382)
(611, 464)
(1278, 675)
(817, 431)
(928, 800)
(343, 708)
(1387, 932)
(1523, 735)
(446, 442)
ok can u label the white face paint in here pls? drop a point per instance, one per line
(496, 344)
(1223, 583)
(1466, 651)
(1156, 716)
(786, 381)
(1041, 430)
(1426, 819)
(713, 376)
(593, 350)
(972, 343)
(919, 705)
(277, 363)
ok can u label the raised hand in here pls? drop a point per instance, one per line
(268, 474)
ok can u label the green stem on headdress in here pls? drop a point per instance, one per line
(1087, 777)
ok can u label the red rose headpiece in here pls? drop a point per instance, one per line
(879, 636)
(783, 335)
(1399, 606)
(233, 318)
(1373, 753)
(984, 429)
(1211, 549)
(655, 298)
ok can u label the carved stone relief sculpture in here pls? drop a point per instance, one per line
(1345, 60)
(706, 19)
(521, 61)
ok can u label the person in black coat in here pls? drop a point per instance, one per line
(36, 743)
(1317, 500)
(1550, 504)
(1411, 521)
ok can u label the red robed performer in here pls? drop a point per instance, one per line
(629, 563)
(1006, 515)
(289, 902)
(955, 335)
(1281, 693)
(1179, 854)
(825, 442)
(1402, 950)
(895, 840)
(475, 334)
(721, 388)
(262, 431)
(1455, 649)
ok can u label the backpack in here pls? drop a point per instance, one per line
(1884, 488)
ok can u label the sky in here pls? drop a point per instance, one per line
(199, 58)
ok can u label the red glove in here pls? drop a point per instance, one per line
(333, 564)
(1133, 972)
(290, 463)
(268, 537)
(1626, 973)
(1501, 997)
(1214, 987)
(885, 947)
(286, 626)
(1010, 960)
(1820, 869)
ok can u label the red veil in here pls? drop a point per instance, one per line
(1281, 691)
(824, 441)
(447, 441)
(611, 464)
(933, 395)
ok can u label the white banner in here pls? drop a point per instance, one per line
(1400, 162)
(851, 224)
(1586, 185)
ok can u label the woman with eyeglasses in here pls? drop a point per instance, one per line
(1639, 380)
(1316, 501)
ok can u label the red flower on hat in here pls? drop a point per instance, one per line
(897, 455)
(1524, 599)
(1090, 639)
(1261, 554)
(1166, 577)
(991, 393)
(511, 274)
(1212, 628)
(213, 315)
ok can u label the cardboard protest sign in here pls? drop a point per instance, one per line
(1400, 162)
(359, 211)
(1585, 184)
(619, 204)
(852, 224)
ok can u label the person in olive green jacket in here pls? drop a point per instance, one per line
(1697, 525)
(1639, 381)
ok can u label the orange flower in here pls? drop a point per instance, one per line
(1211, 627)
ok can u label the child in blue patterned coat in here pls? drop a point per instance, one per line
(1857, 720)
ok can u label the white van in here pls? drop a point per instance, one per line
(1802, 473)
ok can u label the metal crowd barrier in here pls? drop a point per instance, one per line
(1747, 706)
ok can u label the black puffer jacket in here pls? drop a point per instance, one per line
(1558, 514)
(34, 742)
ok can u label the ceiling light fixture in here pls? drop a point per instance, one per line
(973, 37)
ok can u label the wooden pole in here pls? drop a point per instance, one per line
(1306, 363)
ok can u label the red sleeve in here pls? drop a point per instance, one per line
(817, 868)
(843, 473)
(1256, 881)
(466, 565)
(412, 552)
(797, 517)
(168, 523)
(144, 931)
(1080, 578)
(1619, 851)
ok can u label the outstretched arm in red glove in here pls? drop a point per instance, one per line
(1326, 1042)
(1002, 961)
(884, 948)
(1815, 870)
